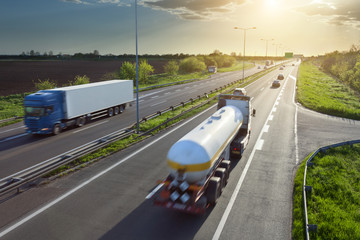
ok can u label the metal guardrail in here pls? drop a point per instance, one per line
(313, 227)
(10, 119)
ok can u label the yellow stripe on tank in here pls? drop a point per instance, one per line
(206, 165)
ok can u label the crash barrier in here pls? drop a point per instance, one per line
(313, 227)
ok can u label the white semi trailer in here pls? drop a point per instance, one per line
(50, 111)
(199, 163)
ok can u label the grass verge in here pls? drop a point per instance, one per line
(334, 203)
(322, 93)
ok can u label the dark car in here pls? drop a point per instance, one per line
(281, 68)
(280, 76)
(276, 83)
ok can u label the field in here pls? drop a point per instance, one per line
(18, 76)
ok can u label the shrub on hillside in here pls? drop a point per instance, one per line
(43, 85)
(191, 64)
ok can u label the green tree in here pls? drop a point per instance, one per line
(171, 67)
(145, 69)
(127, 71)
(191, 64)
(43, 85)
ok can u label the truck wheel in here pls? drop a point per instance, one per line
(116, 110)
(226, 164)
(122, 108)
(221, 173)
(56, 129)
(212, 191)
(110, 112)
(80, 121)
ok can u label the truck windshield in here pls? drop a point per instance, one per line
(34, 111)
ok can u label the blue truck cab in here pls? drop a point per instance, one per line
(44, 112)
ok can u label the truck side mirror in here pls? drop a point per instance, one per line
(253, 112)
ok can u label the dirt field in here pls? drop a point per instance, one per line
(18, 76)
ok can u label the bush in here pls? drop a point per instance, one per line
(78, 80)
(46, 84)
(191, 64)
(171, 68)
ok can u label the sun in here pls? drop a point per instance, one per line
(271, 3)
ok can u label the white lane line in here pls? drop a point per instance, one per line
(158, 103)
(12, 129)
(14, 137)
(167, 93)
(155, 96)
(142, 100)
(154, 191)
(239, 184)
(94, 125)
(292, 77)
(52, 203)
(266, 128)
(262, 89)
(295, 123)
(274, 109)
(259, 144)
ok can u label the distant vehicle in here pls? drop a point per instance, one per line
(259, 67)
(280, 76)
(276, 83)
(267, 63)
(265, 67)
(199, 163)
(239, 91)
(50, 111)
(281, 68)
(293, 64)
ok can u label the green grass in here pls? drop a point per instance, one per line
(238, 66)
(334, 203)
(322, 93)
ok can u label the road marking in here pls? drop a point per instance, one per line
(274, 109)
(94, 125)
(292, 77)
(259, 144)
(266, 128)
(262, 89)
(295, 123)
(62, 197)
(155, 96)
(158, 103)
(154, 191)
(14, 137)
(12, 129)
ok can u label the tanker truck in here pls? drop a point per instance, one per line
(199, 163)
(51, 111)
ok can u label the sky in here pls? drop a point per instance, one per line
(309, 27)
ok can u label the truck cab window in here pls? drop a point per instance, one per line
(34, 111)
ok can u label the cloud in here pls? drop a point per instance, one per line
(195, 9)
(93, 2)
(339, 12)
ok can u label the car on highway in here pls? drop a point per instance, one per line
(259, 67)
(276, 83)
(280, 77)
(239, 91)
(293, 64)
(281, 68)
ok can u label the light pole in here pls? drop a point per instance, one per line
(137, 73)
(244, 47)
(267, 41)
(276, 47)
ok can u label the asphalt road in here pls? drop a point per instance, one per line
(20, 150)
(108, 199)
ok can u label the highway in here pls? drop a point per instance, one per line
(108, 200)
(20, 150)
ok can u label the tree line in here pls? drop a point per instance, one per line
(345, 66)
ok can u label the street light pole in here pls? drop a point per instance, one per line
(244, 47)
(137, 73)
(267, 41)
